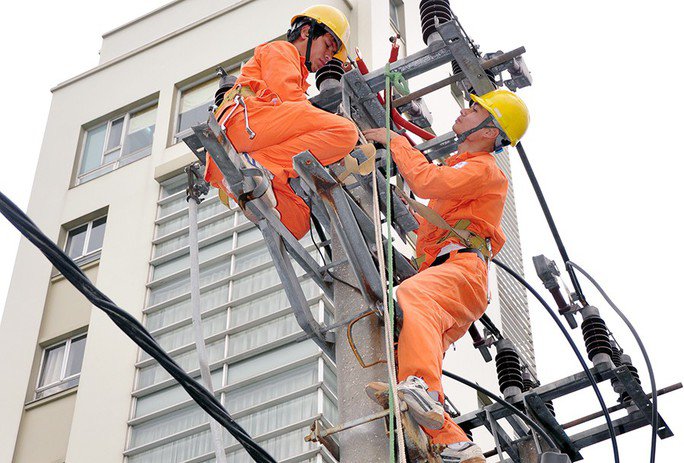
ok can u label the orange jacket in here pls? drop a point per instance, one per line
(276, 71)
(470, 186)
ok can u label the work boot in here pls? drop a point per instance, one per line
(423, 406)
(463, 452)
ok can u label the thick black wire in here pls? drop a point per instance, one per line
(654, 412)
(550, 221)
(130, 326)
(548, 308)
(506, 405)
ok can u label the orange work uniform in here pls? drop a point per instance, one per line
(440, 303)
(286, 124)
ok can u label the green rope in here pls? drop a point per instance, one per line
(388, 256)
(398, 82)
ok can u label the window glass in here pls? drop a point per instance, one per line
(179, 450)
(92, 153)
(76, 241)
(114, 139)
(75, 360)
(117, 142)
(168, 425)
(263, 334)
(270, 360)
(271, 388)
(61, 367)
(52, 365)
(246, 260)
(394, 13)
(195, 103)
(140, 130)
(97, 234)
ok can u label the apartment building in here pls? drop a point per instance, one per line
(110, 190)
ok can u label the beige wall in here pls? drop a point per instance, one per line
(101, 407)
(44, 431)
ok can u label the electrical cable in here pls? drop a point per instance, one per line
(590, 377)
(506, 405)
(549, 220)
(647, 360)
(130, 326)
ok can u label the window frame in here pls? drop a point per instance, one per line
(177, 136)
(398, 27)
(89, 229)
(63, 379)
(117, 163)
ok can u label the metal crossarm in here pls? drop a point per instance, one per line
(278, 239)
(343, 223)
(637, 394)
(402, 219)
(536, 406)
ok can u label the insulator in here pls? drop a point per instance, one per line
(550, 407)
(332, 70)
(508, 369)
(431, 9)
(528, 382)
(615, 356)
(616, 353)
(596, 337)
(226, 82)
(627, 362)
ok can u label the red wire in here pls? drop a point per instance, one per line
(396, 116)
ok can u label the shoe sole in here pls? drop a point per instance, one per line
(420, 410)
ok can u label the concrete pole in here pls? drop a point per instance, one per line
(368, 442)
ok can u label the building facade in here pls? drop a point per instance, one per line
(110, 190)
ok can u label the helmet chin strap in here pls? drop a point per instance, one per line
(500, 139)
(307, 58)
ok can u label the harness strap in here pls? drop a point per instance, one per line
(459, 230)
(229, 98)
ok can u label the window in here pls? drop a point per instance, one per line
(117, 142)
(396, 13)
(60, 366)
(195, 101)
(86, 240)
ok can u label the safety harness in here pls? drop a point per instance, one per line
(459, 230)
(236, 97)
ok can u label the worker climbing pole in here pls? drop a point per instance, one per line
(349, 159)
(459, 236)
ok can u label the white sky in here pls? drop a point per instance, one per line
(604, 143)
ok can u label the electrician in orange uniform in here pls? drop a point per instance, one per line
(450, 291)
(282, 122)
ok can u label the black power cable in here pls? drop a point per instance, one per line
(549, 220)
(521, 280)
(654, 411)
(506, 405)
(130, 326)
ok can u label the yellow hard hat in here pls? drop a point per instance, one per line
(334, 20)
(509, 111)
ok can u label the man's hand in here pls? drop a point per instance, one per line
(378, 135)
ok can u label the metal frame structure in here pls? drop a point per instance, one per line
(339, 209)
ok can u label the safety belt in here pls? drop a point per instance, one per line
(458, 230)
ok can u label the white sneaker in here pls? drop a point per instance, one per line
(424, 408)
(463, 452)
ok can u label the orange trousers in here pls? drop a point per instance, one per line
(439, 304)
(284, 130)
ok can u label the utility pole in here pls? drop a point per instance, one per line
(368, 442)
